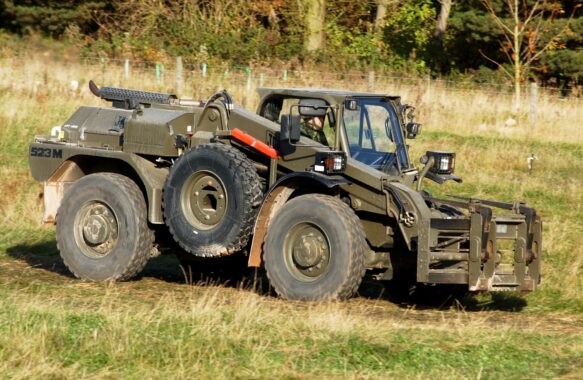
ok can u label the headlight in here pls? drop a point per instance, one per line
(444, 162)
(330, 162)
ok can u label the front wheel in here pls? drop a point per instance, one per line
(314, 249)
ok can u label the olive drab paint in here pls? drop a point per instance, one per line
(443, 241)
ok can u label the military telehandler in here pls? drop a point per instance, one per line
(316, 215)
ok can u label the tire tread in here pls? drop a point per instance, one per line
(357, 241)
(142, 253)
(254, 195)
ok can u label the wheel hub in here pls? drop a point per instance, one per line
(307, 252)
(204, 200)
(97, 230)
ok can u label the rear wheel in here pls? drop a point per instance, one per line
(314, 249)
(102, 229)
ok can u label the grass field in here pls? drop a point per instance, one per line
(54, 326)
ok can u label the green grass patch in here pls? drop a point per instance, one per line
(55, 326)
(212, 338)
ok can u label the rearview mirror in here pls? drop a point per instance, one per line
(351, 104)
(312, 107)
(413, 129)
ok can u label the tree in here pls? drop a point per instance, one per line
(51, 18)
(315, 23)
(438, 57)
(408, 34)
(441, 23)
(523, 34)
(381, 12)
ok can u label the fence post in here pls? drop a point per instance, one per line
(248, 85)
(179, 80)
(102, 63)
(204, 70)
(261, 80)
(285, 75)
(428, 91)
(157, 73)
(533, 104)
(370, 83)
(126, 69)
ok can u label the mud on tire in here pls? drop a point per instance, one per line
(102, 229)
(211, 197)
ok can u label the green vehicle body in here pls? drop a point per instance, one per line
(438, 241)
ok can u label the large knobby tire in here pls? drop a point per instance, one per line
(102, 228)
(211, 198)
(314, 249)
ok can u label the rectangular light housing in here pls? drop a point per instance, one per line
(444, 162)
(332, 162)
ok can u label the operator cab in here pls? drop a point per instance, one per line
(314, 116)
(374, 134)
(373, 127)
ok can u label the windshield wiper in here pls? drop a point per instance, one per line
(392, 157)
(388, 162)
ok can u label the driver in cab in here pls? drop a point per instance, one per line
(312, 127)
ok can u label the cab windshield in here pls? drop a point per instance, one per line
(374, 135)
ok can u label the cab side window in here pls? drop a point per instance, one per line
(272, 109)
(329, 130)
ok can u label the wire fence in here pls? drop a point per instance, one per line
(178, 73)
(204, 71)
(442, 104)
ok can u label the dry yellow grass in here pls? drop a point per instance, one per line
(86, 330)
(53, 326)
(38, 95)
(442, 106)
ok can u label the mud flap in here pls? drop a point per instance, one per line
(52, 195)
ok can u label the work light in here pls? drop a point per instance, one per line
(330, 162)
(443, 162)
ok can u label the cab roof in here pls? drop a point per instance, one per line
(332, 96)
